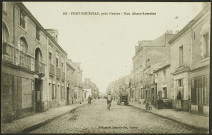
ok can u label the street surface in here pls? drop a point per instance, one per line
(95, 118)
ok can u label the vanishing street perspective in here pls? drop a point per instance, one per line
(101, 67)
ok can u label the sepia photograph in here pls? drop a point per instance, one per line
(105, 67)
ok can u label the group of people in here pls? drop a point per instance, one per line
(109, 100)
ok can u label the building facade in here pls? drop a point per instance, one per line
(24, 62)
(90, 88)
(34, 66)
(190, 56)
(147, 53)
(77, 76)
(70, 68)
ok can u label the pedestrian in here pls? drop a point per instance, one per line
(109, 100)
(147, 105)
(89, 99)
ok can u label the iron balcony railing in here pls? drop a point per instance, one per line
(11, 54)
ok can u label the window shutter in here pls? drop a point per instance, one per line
(193, 91)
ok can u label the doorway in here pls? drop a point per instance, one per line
(67, 98)
(38, 86)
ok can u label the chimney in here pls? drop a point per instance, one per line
(54, 33)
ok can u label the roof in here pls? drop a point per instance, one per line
(190, 24)
(70, 64)
(158, 42)
(38, 24)
(162, 65)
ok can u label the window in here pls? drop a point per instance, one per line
(23, 45)
(53, 92)
(206, 52)
(37, 33)
(63, 67)
(22, 19)
(23, 50)
(180, 82)
(57, 62)
(50, 58)
(5, 39)
(164, 92)
(181, 56)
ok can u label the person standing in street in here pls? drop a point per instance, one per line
(109, 100)
(89, 99)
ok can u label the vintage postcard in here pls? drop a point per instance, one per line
(105, 67)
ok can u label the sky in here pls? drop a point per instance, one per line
(105, 45)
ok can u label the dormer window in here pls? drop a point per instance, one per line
(22, 19)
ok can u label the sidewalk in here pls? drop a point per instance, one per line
(186, 118)
(26, 123)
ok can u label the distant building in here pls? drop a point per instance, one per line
(123, 83)
(147, 53)
(90, 88)
(70, 69)
(77, 83)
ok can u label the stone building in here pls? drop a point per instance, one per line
(70, 68)
(123, 83)
(77, 76)
(24, 62)
(56, 68)
(33, 65)
(163, 81)
(148, 52)
(190, 59)
(90, 88)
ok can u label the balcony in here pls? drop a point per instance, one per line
(63, 76)
(13, 56)
(51, 70)
(40, 68)
(58, 73)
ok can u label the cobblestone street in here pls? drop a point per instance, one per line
(95, 118)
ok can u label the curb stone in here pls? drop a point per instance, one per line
(206, 130)
(39, 124)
